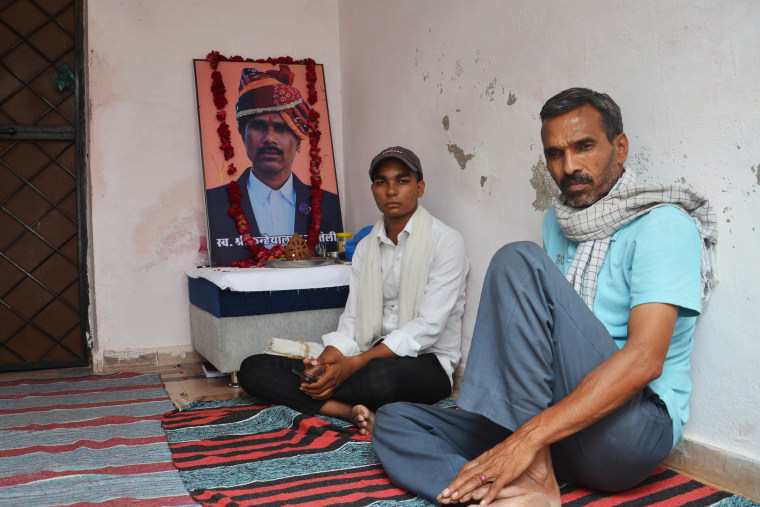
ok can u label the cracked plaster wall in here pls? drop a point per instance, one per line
(462, 83)
(147, 201)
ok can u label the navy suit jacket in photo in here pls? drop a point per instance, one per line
(222, 226)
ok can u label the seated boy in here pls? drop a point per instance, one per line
(399, 336)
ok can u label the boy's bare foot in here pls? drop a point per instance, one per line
(363, 418)
(359, 415)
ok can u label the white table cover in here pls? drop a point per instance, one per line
(273, 279)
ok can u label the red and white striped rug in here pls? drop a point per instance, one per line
(240, 452)
(89, 440)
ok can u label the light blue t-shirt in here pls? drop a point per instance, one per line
(654, 259)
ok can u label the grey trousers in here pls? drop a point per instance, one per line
(534, 341)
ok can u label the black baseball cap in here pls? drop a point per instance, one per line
(405, 155)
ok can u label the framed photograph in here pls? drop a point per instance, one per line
(267, 154)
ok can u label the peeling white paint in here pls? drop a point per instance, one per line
(459, 154)
(685, 77)
(683, 73)
(545, 187)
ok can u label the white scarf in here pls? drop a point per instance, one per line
(592, 227)
(413, 279)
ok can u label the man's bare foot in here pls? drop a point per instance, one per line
(363, 418)
(537, 486)
(519, 497)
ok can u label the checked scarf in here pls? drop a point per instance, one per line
(592, 227)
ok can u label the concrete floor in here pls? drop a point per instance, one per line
(184, 383)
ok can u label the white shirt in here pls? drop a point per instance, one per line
(438, 328)
(274, 209)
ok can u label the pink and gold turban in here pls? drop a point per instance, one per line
(269, 92)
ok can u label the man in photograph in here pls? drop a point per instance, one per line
(273, 121)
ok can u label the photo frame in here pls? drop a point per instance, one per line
(235, 154)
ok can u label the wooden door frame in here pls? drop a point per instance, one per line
(83, 207)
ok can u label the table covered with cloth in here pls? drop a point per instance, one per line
(234, 312)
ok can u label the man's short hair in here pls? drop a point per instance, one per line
(242, 122)
(573, 98)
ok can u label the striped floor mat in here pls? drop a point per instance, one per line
(88, 440)
(663, 487)
(238, 452)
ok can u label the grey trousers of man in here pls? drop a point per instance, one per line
(534, 341)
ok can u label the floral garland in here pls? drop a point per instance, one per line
(260, 254)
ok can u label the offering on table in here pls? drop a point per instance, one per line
(297, 249)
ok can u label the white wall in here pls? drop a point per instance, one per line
(449, 78)
(145, 168)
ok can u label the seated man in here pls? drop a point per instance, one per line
(400, 334)
(586, 381)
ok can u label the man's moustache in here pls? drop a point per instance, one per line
(575, 178)
(269, 149)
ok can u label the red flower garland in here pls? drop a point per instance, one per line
(260, 254)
